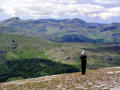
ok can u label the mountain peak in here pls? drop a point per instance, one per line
(78, 20)
(14, 18)
(11, 20)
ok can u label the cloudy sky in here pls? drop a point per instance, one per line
(103, 11)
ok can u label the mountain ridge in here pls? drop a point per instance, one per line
(56, 30)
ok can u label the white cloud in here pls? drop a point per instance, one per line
(56, 9)
(47, 8)
(107, 1)
(107, 13)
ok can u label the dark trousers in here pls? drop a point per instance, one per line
(83, 67)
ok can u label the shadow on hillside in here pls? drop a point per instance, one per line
(30, 68)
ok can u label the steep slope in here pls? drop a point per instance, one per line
(102, 79)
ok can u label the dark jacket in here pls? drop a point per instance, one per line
(83, 58)
(83, 64)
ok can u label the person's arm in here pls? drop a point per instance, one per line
(81, 57)
(86, 58)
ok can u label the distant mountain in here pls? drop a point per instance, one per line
(109, 27)
(65, 30)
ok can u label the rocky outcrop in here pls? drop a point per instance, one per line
(2, 54)
(14, 44)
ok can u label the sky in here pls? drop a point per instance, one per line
(101, 11)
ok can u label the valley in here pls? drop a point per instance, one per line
(31, 52)
(35, 48)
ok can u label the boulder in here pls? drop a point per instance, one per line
(67, 58)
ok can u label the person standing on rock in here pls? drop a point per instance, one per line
(83, 62)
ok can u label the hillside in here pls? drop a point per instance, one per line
(31, 68)
(32, 51)
(64, 30)
(102, 79)
(22, 46)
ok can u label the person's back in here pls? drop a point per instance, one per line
(83, 62)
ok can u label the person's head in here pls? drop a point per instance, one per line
(83, 53)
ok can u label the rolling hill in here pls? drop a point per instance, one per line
(58, 41)
(23, 56)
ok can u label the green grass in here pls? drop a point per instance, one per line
(30, 68)
(29, 47)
